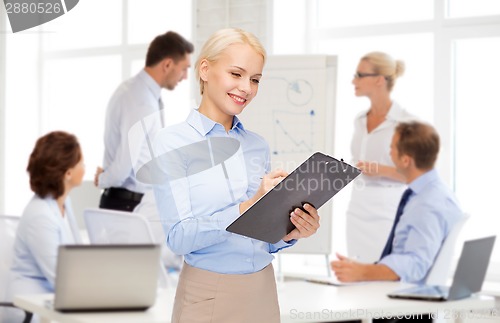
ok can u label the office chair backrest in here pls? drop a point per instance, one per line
(440, 270)
(8, 228)
(118, 227)
(83, 197)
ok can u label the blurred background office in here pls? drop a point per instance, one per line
(60, 75)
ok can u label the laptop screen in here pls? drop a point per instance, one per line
(469, 275)
(106, 277)
(472, 267)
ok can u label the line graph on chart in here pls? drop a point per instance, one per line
(293, 132)
(294, 118)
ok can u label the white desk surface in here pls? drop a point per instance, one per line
(309, 302)
(161, 312)
(299, 302)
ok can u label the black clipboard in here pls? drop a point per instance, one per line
(315, 182)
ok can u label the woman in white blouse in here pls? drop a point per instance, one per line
(377, 192)
(55, 167)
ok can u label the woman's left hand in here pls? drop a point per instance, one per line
(306, 223)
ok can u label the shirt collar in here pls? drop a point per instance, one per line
(154, 87)
(423, 180)
(395, 112)
(204, 125)
(237, 124)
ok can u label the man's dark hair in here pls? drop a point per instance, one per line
(420, 141)
(170, 44)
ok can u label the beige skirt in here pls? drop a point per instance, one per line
(205, 296)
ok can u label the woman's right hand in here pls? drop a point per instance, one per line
(267, 183)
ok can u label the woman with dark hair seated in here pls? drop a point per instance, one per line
(55, 167)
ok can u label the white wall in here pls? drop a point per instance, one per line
(2, 106)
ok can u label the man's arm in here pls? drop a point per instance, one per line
(347, 270)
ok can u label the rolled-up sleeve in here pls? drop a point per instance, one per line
(418, 240)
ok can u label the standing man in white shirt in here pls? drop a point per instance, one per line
(134, 101)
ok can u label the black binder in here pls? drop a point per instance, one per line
(315, 181)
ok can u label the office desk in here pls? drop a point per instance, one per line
(299, 302)
(308, 302)
(161, 312)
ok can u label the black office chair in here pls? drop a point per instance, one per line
(8, 226)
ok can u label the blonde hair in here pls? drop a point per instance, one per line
(219, 41)
(385, 65)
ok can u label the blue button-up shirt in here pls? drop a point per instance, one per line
(428, 217)
(206, 173)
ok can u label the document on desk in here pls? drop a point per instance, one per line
(314, 182)
(332, 281)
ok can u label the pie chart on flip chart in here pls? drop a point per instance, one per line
(26, 14)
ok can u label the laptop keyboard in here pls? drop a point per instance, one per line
(430, 290)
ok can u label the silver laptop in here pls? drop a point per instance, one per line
(106, 277)
(469, 275)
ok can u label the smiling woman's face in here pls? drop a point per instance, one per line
(231, 82)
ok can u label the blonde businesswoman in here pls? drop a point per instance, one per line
(375, 199)
(226, 277)
(55, 167)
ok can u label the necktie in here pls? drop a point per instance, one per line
(161, 107)
(404, 199)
